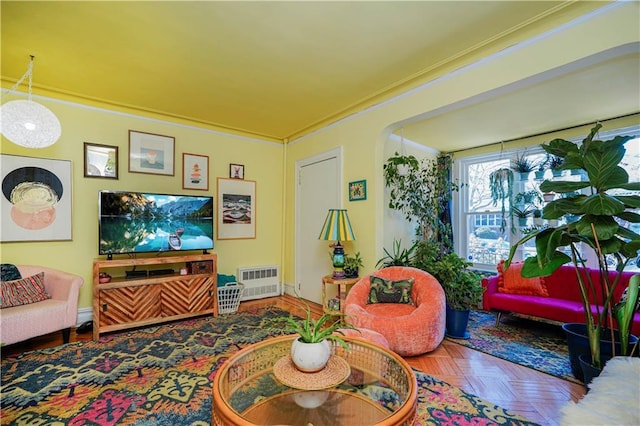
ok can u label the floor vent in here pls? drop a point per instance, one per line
(259, 281)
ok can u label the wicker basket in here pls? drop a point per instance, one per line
(229, 297)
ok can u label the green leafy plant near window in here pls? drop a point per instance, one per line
(523, 164)
(398, 256)
(421, 194)
(462, 286)
(599, 212)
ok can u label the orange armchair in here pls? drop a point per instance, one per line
(410, 329)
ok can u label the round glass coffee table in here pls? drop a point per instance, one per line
(379, 388)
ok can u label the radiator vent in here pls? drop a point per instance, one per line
(259, 281)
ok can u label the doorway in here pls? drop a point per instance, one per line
(317, 191)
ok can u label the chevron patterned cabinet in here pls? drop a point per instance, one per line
(130, 293)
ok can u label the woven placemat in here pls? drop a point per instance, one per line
(336, 371)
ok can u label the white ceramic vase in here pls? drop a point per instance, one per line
(310, 357)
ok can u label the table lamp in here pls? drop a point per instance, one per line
(337, 228)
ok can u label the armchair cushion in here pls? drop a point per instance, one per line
(23, 291)
(390, 291)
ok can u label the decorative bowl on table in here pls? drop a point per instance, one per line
(104, 278)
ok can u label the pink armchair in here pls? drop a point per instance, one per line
(410, 329)
(23, 322)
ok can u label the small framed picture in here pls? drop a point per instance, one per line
(100, 161)
(358, 190)
(151, 153)
(236, 171)
(195, 171)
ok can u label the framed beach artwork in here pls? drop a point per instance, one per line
(236, 209)
(36, 199)
(195, 171)
(151, 153)
(100, 161)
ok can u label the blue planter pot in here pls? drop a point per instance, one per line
(578, 344)
(456, 323)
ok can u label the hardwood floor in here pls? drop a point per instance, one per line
(534, 395)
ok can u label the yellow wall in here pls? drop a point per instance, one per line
(362, 136)
(262, 160)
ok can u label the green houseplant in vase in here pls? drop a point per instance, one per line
(462, 287)
(352, 265)
(523, 165)
(598, 209)
(311, 351)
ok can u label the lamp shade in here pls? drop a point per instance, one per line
(337, 227)
(29, 124)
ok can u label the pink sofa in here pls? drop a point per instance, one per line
(563, 303)
(23, 322)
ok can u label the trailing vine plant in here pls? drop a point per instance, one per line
(422, 194)
(501, 187)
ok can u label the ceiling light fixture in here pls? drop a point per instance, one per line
(27, 123)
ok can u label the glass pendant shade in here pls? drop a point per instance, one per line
(29, 124)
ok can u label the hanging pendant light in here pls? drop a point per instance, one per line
(28, 123)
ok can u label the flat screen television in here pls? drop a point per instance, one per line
(142, 222)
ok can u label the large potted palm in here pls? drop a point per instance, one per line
(599, 209)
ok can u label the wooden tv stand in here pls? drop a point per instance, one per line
(152, 297)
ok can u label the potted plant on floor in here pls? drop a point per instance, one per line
(462, 287)
(598, 210)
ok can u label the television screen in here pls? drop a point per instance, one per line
(137, 222)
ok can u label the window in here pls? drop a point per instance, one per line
(478, 228)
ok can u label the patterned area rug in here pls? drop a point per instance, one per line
(533, 344)
(163, 376)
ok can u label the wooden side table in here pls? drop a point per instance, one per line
(344, 285)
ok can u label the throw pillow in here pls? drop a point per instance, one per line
(9, 272)
(511, 281)
(388, 291)
(23, 291)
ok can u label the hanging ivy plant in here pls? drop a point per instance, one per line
(501, 187)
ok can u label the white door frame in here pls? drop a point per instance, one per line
(335, 152)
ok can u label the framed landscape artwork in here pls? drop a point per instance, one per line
(36, 199)
(236, 209)
(151, 153)
(195, 171)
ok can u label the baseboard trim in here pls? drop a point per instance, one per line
(84, 315)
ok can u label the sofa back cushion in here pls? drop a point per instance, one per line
(511, 281)
(563, 283)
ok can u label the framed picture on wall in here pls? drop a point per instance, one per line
(151, 153)
(236, 171)
(358, 190)
(236, 209)
(195, 171)
(100, 161)
(36, 199)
